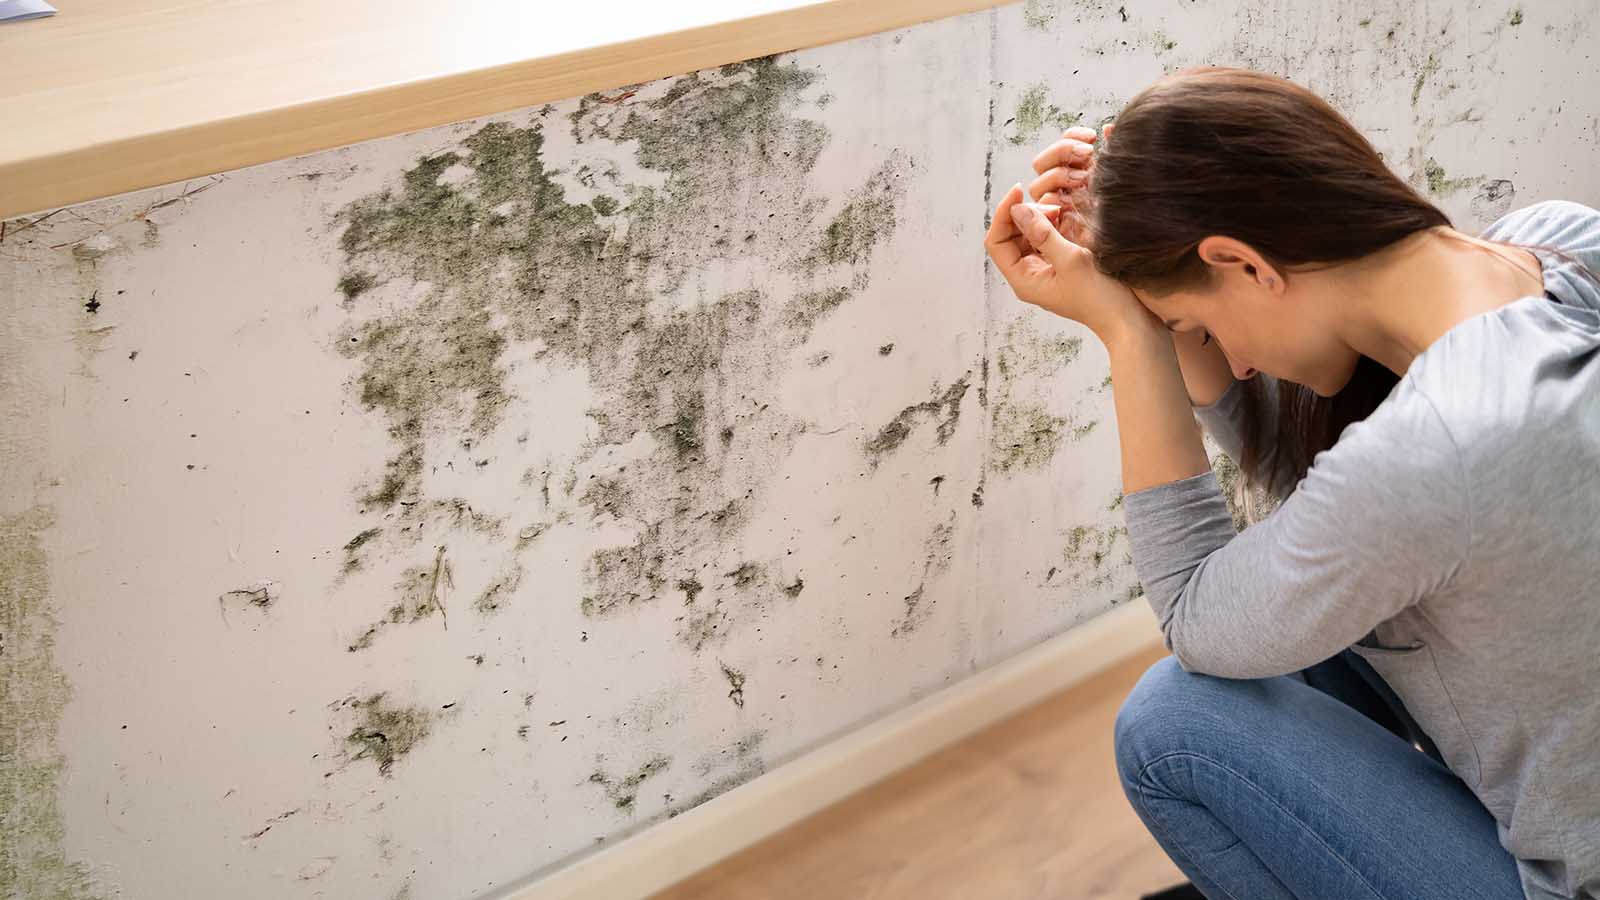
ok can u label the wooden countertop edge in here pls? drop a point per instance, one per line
(115, 167)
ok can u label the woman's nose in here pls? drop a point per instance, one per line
(1240, 370)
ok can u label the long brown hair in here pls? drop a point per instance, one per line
(1258, 158)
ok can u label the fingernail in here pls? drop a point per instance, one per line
(1023, 215)
(1076, 174)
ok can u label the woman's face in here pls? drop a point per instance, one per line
(1260, 328)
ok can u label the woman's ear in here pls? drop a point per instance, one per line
(1233, 257)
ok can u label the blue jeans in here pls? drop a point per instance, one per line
(1303, 787)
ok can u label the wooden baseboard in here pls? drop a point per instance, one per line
(670, 851)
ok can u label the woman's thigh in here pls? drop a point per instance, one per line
(1267, 789)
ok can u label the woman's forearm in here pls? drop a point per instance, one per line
(1206, 374)
(1160, 438)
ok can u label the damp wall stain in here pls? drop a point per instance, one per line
(33, 860)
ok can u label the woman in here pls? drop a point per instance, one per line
(1440, 553)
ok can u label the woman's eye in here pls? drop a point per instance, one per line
(1207, 339)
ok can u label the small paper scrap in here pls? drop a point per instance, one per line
(18, 10)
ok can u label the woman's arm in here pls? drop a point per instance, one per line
(1205, 370)
(1155, 419)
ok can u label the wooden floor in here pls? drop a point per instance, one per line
(1026, 810)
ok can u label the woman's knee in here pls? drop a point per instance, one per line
(1171, 710)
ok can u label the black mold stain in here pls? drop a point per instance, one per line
(748, 764)
(886, 349)
(257, 596)
(938, 554)
(499, 591)
(385, 732)
(793, 590)
(421, 589)
(735, 684)
(354, 284)
(352, 555)
(623, 793)
(944, 408)
(747, 575)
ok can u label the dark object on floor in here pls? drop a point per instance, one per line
(1181, 892)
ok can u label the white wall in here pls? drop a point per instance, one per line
(193, 440)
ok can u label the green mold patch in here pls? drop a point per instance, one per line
(1427, 71)
(33, 861)
(1245, 505)
(624, 791)
(1097, 556)
(1516, 16)
(1038, 14)
(1024, 433)
(1439, 184)
(506, 253)
(810, 307)
(384, 731)
(866, 219)
(1035, 112)
(943, 408)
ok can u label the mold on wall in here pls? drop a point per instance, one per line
(33, 857)
(432, 511)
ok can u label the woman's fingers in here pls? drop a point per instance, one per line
(1065, 152)
(1006, 244)
(1059, 180)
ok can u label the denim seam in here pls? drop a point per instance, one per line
(1179, 847)
(1144, 770)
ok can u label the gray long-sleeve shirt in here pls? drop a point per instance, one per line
(1453, 540)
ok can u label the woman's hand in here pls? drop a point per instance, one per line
(1063, 169)
(1046, 269)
